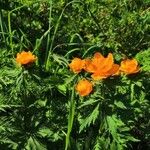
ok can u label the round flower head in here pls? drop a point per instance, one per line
(129, 66)
(76, 65)
(84, 87)
(25, 58)
(101, 67)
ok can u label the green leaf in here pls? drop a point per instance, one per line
(41, 103)
(113, 146)
(62, 88)
(119, 104)
(89, 102)
(144, 59)
(112, 127)
(70, 79)
(33, 144)
(61, 60)
(45, 132)
(130, 138)
(90, 119)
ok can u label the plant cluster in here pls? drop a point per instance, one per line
(55, 94)
(101, 68)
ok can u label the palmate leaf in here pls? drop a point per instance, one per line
(90, 119)
(34, 144)
(144, 59)
(112, 127)
(9, 143)
(51, 135)
(89, 102)
(102, 143)
(7, 130)
(97, 145)
(119, 132)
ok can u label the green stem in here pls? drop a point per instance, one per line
(70, 119)
(49, 53)
(1, 25)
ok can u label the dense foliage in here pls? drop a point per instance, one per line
(41, 107)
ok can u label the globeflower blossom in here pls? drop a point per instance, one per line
(129, 66)
(25, 58)
(101, 67)
(84, 87)
(76, 65)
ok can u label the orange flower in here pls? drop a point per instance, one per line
(129, 66)
(89, 66)
(114, 70)
(84, 87)
(24, 58)
(76, 65)
(101, 67)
